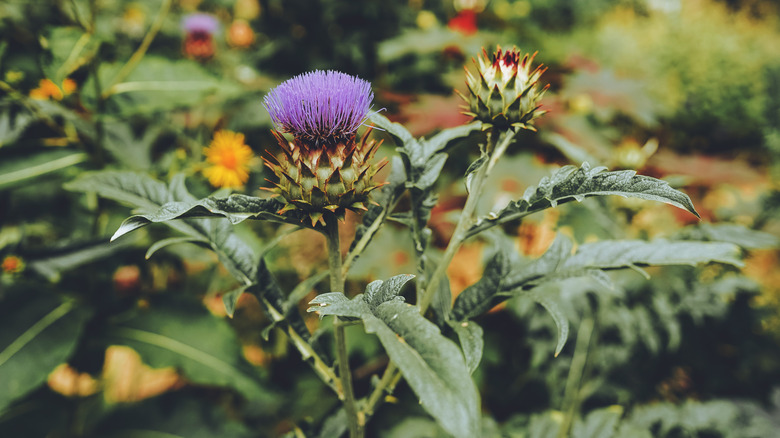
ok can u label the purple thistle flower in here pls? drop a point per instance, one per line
(319, 105)
(200, 23)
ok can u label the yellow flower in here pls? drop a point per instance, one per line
(49, 90)
(230, 159)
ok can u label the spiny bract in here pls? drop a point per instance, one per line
(505, 92)
(325, 168)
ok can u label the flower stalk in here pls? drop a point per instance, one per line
(498, 145)
(342, 355)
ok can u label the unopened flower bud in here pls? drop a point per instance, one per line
(505, 92)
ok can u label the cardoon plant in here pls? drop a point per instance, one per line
(325, 168)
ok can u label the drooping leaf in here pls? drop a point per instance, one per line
(570, 183)
(160, 244)
(236, 208)
(432, 364)
(38, 331)
(542, 296)
(187, 337)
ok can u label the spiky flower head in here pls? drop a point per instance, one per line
(325, 168)
(505, 93)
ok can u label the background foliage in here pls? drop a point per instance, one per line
(101, 341)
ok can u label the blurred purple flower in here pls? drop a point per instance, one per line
(200, 23)
(320, 105)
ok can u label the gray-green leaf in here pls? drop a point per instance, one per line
(432, 364)
(570, 183)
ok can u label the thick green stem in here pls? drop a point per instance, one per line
(495, 151)
(355, 418)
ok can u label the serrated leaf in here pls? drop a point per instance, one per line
(471, 342)
(189, 338)
(378, 292)
(570, 183)
(38, 331)
(432, 364)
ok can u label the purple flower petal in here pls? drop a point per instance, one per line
(200, 22)
(320, 104)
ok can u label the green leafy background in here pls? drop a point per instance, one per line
(570, 312)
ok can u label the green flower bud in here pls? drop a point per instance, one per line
(505, 92)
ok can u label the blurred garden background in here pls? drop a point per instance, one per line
(109, 340)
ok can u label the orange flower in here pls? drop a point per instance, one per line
(240, 34)
(12, 265)
(49, 90)
(230, 159)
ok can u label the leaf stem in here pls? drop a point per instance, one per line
(140, 52)
(386, 385)
(342, 356)
(497, 145)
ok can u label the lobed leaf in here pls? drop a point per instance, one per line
(433, 365)
(570, 183)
